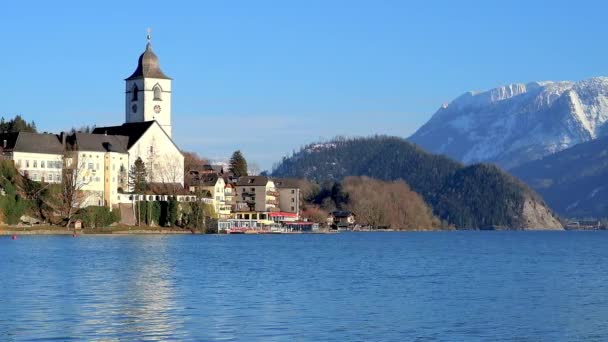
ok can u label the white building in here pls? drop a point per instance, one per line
(148, 122)
(36, 156)
(148, 92)
(101, 166)
(148, 141)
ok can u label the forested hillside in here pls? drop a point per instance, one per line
(477, 196)
(572, 181)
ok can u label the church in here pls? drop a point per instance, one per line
(105, 156)
(148, 121)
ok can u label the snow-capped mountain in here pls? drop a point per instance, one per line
(513, 124)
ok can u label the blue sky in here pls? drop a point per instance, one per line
(267, 77)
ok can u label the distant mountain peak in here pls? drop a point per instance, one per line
(519, 122)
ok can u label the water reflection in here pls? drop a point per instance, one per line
(390, 287)
(134, 296)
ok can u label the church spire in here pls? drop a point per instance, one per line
(148, 38)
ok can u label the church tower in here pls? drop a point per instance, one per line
(148, 92)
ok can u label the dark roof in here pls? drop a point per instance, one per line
(208, 179)
(148, 66)
(341, 213)
(286, 183)
(213, 168)
(132, 130)
(32, 143)
(252, 180)
(98, 142)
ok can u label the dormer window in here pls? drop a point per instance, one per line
(158, 93)
(134, 92)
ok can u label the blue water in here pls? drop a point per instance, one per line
(459, 286)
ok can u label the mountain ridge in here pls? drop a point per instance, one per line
(517, 123)
(572, 181)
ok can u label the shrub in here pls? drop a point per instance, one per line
(97, 217)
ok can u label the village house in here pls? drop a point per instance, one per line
(36, 156)
(341, 219)
(213, 185)
(258, 193)
(229, 195)
(289, 195)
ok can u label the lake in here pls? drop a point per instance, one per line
(455, 286)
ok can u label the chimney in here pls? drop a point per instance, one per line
(105, 133)
(63, 138)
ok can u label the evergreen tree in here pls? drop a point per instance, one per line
(137, 176)
(17, 124)
(238, 164)
(171, 212)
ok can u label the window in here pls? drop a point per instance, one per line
(19, 163)
(151, 149)
(42, 164)
(252, 189)
(293, 191)
(293, 209)
(90, 166)
(134, 92)
(157, 93)
(35, 163)
(293, 200)
(27, 163)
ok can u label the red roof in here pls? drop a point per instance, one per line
(280, 213)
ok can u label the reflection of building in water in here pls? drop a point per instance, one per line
(134, 296)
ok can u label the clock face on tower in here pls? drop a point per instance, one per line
(157, 109)
(134, 108)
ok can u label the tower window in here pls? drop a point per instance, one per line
(134, 93)
(158, 93)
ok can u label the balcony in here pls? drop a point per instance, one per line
(273, 193)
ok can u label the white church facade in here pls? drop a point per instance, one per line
(148, 124)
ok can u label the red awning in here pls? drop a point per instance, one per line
(282, 214)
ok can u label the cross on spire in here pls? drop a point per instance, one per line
(149, 34)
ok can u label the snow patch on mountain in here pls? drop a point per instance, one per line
(516, 123)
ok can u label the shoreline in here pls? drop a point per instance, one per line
(28, 231)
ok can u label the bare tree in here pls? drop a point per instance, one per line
(388, 204)
(192, 163)
(74, 179)
(254, 169)
(170, 173)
